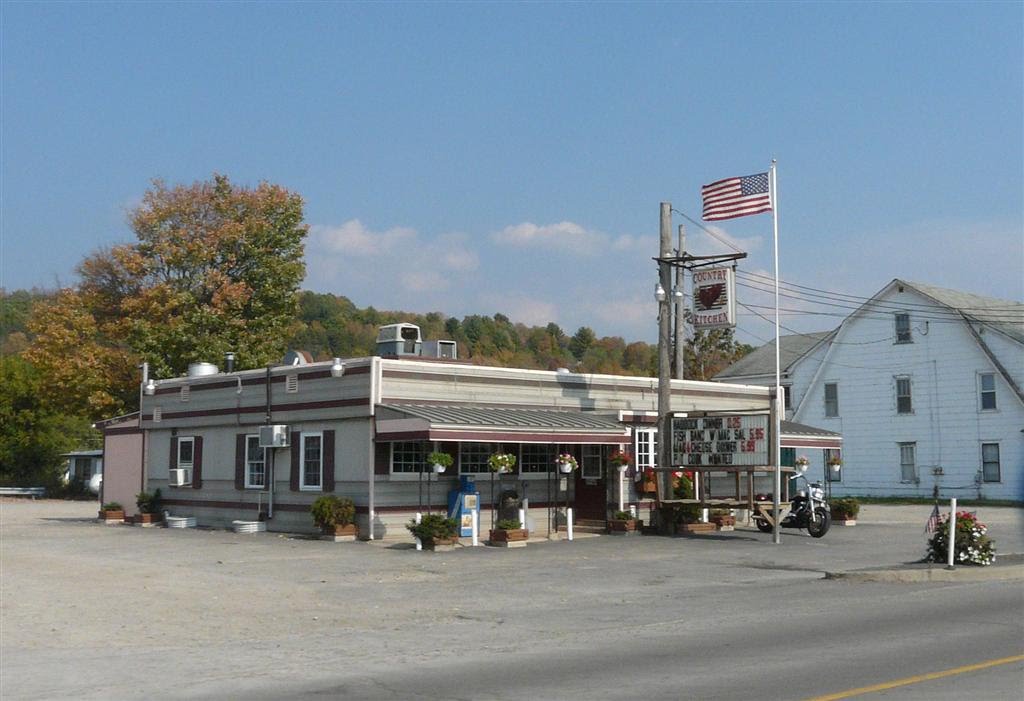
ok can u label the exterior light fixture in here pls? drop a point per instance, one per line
(677, 294)
(659, 292)
(337, 369)
(149, 389)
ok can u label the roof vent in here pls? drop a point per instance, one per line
(399, 339)
(202, 369)
(297, 357)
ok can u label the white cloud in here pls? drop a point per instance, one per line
(700, 242)
(354, 239)
(566, 236)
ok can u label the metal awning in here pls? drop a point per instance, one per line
(796, 435)
(398, 422)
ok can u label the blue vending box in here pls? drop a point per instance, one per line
(462, 502)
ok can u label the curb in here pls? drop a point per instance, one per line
(933, 574)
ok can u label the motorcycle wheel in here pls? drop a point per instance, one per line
(763, 526)
(819, 523)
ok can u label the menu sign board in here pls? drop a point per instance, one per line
(703, 441)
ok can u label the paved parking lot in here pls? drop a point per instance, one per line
(89, 610)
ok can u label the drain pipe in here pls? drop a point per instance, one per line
(272, 473)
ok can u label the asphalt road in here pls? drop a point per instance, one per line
(90, 611)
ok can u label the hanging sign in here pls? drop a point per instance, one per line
(702, 441)
(714, 298)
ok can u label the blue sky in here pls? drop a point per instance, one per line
(474, 158)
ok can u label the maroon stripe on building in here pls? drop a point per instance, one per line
(499, 436)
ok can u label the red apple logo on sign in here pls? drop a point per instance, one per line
(710, 295)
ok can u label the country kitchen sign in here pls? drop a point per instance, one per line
(714, 298)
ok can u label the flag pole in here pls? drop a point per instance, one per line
(780, 405)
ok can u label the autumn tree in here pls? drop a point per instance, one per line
(215, 267)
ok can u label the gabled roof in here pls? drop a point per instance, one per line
(761, 361)
(1003, 315)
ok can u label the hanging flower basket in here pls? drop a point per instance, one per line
(440, 461)
(502, 463)
(619, 458)
(802, 461)
(566, 463)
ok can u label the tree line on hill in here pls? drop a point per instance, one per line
(216, 267)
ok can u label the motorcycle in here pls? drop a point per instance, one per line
(809, 510)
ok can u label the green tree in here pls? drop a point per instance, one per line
(215, 267)
(581, 341)
(32, 434)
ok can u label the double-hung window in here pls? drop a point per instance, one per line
(536, 458)
(646, 448)
(312, 461)
(255, 469)
(831, 399)
(409, 457)
(990, 462)
(903, 334)
(904, 402)
(186, 457)
(908, 462)
(987, 391)
(473, 457)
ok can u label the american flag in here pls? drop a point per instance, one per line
(736, 197)
(933, 520)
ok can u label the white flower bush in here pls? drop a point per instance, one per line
(972, 547)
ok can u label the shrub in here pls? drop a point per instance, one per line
(148, 503)
(434, 527)
(972, 547)
(507, 524)
(622, 516)
(329, 511)
(112, 506)
(844, 507)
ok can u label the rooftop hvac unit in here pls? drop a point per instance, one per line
(399, 339)
(275, 436)
(440, 349)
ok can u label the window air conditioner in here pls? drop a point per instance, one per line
(179, 477)
(275, 436)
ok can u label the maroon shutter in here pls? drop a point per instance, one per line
(382, 459)
(296, 457)
(328, 458)
(240, 440)
(197, 462)
(173, 462)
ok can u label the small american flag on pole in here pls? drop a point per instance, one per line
(736, 197)
(933, 520)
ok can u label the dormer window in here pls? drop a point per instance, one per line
(903, 328)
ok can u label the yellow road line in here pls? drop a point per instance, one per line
(919, 678)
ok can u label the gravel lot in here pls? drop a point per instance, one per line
(91, 611)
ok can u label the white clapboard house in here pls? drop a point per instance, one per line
(923, 383)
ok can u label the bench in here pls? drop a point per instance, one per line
(34, 492)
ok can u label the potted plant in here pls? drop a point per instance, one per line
(435, 530)
(335, 517)
(844, 510)
(508, 530)
(801, 461)
(623, 522)
(440, 461)
(566, 463)
(112, 512)
(723, 519)
(502, 463)
(649, 485)
(150, 505)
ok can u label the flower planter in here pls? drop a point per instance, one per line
(697, 528)
(112, 516)
(148, 520)
(440, 544)
(508, 537)
(622, 527)
(565, 468)
(349, 532)
(649, 487)
(843, 521)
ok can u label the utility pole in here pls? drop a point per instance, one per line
(680, 309)
(664, 360)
